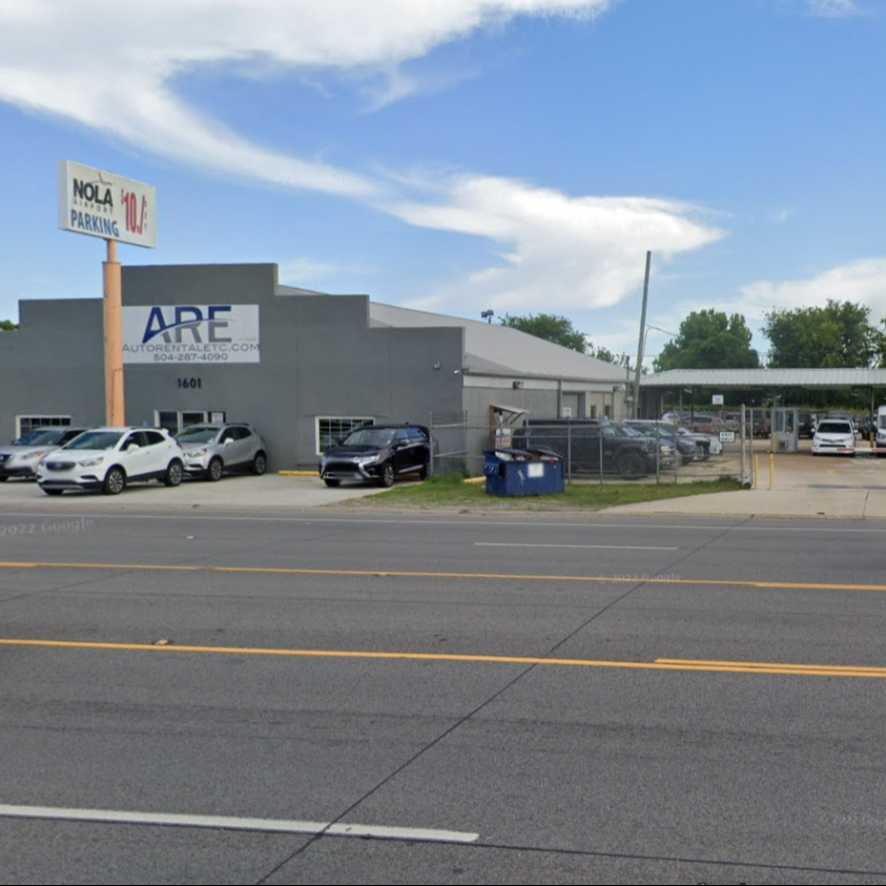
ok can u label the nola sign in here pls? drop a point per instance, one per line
(106, 205)
(191, 334)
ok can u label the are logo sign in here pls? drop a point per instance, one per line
(220, 333)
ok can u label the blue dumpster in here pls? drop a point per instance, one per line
(512, 472)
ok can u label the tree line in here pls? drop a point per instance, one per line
(838, 335)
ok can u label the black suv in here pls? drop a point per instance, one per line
(380, 453)
(622, 453)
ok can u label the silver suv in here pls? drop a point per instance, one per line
(22, 456)
(210, 450)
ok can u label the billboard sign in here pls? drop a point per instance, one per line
(102, 204)
(217, 333)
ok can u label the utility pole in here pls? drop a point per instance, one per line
(641, 344)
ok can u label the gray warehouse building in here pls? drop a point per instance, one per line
(213, 342)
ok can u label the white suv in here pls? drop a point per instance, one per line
(109, 458)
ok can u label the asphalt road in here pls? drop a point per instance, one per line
(231, 699)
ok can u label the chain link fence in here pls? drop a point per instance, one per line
(600, 451)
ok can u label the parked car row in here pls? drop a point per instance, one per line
(108, 459)
(628, 448)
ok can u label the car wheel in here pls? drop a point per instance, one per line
(333, 484)
(50, 491)
(3, 479)
(387, 475)
(631, 465)
(174, 473)
(215, 470)
(259, 464)
(115, 482)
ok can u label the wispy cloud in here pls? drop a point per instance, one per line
(549, 249)
(860, 281)
(555, 250)
(781, 216)
(122, 81)
(833, 8)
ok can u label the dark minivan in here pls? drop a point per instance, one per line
(378, 453)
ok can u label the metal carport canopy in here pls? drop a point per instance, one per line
(765, 378)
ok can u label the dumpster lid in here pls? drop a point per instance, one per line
(506, 415)
(538, 453)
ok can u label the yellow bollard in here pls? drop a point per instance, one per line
(771, 469)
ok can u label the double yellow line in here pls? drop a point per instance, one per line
(462, 576)
(659, 664)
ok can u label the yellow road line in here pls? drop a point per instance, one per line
(465, 576)
(757, 665)
(681, 665)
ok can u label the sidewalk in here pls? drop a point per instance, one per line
(802, 486)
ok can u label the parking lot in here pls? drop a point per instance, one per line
(246, 493)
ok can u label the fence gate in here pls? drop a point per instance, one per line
(785, 429)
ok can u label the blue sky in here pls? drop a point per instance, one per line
(514, 154)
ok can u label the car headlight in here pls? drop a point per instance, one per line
(367, 460)
(32, 456)
(90, 462)
(194, 453)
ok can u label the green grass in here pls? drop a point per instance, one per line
(452, 492)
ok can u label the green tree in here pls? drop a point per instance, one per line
(709, 339)
(839, 335)
(550, 327)
(7, 326)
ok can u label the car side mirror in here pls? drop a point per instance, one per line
(131, 447)
(228, 441)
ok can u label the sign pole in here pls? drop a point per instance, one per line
(115, 409)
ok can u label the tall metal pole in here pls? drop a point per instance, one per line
(642, 342)
(115, 409)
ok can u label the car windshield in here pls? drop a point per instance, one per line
(40, 437)
(95, 440)
(377, 437)
(834, 427)
(196, 434)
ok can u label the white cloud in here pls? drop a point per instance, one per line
(114, 67)
(833, 8)
(557, 251)
(861, 281)
(111, 66)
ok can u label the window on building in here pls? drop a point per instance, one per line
(175, 421)
(25, 423)
(607, 411)
(593, 410)
(330, 428)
